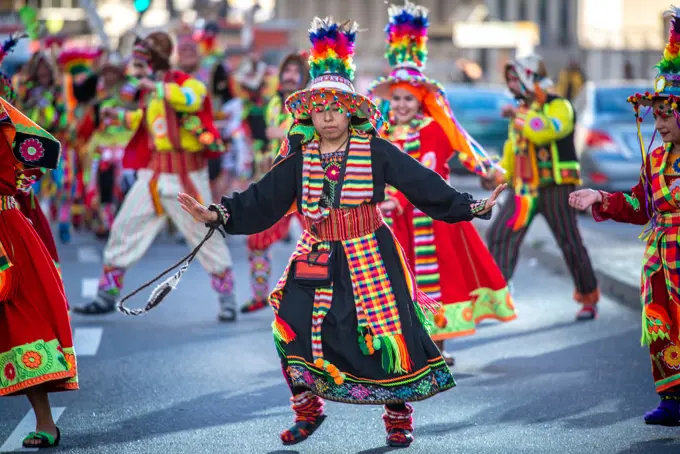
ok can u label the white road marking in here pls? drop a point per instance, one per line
(89, 287)
(86, 341)
(89, 254)
(27, 424)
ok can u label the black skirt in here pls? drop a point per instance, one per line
(366, 382)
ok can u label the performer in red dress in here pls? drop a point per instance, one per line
(451, 263)
(36, 346)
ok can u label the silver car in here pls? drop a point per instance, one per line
(606, 136)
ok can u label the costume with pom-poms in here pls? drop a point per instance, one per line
(655, 203)
(349, 321)
(450, 261)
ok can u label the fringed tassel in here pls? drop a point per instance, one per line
(424, 321)
(282, 331)
(426, 302)
(395, 356)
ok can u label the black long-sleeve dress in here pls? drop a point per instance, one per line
(363, 339)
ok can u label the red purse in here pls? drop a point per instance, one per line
(313, 269)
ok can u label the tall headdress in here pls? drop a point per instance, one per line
(331, 70)
(406, 51)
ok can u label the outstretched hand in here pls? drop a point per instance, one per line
(584, 198)
(491, 201)
(195, 209)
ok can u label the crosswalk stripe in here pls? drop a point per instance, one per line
(89, 254)
(86, 341)
(88, 287)
(27, 424)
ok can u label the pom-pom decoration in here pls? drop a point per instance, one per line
(332, 50)
(407, 35)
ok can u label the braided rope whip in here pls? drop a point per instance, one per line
(170, 284)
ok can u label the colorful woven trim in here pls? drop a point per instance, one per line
(478, 205)
(345, 223)
(222, 213)
(357, 187)
(8, 202)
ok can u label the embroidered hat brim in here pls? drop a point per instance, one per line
(380, 88)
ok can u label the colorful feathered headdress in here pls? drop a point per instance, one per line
(79, 60)
(6, 86)
(668, 80)
(331, 70)
(407, 35)
(332, 50)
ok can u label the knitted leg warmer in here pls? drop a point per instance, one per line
(309, 415)
(399, 426)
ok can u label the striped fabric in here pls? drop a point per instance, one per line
(345, 223)
(8, 202)
(357, 187)
(426, 263)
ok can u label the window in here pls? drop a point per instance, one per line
(522, 10)
(564, 22)
(502, 10)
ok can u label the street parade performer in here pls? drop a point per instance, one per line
(450, 261)
(104, 142)
(541, 167)
(293, 76)
(655, 201)
(178, 120)
(25, 197)
(199, 57)
(36, 346)
(348, 277)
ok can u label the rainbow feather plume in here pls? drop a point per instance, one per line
(332, 50)
(671, 54)
(78, 61)
(407, 35)
(9, 45)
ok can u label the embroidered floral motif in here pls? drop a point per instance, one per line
(431, 382)
(429, 160)
(31, 150)
(671, 356)
(10, 372)
(31, 359)
(333, 173)
(633, 201)
(536, 124)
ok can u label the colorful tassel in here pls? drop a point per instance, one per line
(525, 208)
(282, 331)
(395, 356)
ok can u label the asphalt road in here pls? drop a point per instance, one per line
(176, 381)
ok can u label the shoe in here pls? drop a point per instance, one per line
(228, 309)
(253, 306)
(309, 416)
(399, 427)
(64, 233)
(666, 414)
(104, 303)
(587, 312)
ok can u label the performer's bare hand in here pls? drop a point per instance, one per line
(195, 209)
(491, 201)
(108, 112)
(489, 182)
(584, 198)
(274, 133)
(508, 111)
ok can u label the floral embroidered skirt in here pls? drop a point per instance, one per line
(472, 286)
(36, 346)
(366, 380)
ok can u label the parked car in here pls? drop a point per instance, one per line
(478, 109)
(606, 136)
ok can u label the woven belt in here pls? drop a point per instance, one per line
(668, 219)
(8, 202)
(346, 223)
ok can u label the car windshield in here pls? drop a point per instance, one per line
(473, 100)
(614, 101)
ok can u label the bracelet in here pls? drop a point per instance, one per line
(222, 214)
(477, 206)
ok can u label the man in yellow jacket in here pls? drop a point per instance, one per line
(541, 171)
(173, 140)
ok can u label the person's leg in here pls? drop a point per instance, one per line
(40, 402)
(134, 229)
(260, 273)
(503, 241)
(398, 420)
(562, 221)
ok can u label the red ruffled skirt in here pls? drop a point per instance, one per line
(472, 286)
(30, 207)
(36, 345)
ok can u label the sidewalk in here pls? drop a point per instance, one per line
(617, 258)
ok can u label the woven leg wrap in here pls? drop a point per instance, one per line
(111, 281)
(399, 426)
(308, 410)
(223, 283)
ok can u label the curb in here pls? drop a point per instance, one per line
(621, 291)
